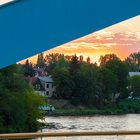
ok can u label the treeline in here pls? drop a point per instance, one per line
(18, 103)
(88, 84)
(132, 61)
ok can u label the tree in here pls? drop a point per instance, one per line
(120, 69)
(86, 86)
(88, 60)
(133, 62)
(74, 65)
(135, 86)
(54, 57)
(60, 63)
(28, 69)
(81, 58)
(68, 57)
(63, 82)
(41, 61)
(19, 104)
(108, 57)
(108, 86)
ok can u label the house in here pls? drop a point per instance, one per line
(44, 85)
(134, 74)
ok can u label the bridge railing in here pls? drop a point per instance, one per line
(67, 134)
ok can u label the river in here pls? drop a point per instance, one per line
(95, 123)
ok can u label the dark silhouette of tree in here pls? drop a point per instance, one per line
(68, 57)
(53, 57)
(81, 58)
(104, 59)
(133, 62)
(40, 61)
(29, 71)
(74, 64)
(88, 60)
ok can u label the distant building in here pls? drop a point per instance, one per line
(134, 74)
(44, 85)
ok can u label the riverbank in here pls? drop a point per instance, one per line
(123, 107)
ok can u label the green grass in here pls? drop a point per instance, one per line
(123, 107)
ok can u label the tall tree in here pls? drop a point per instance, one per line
(81, 58)
(86, 86)
(28, 69)
(19, 104)
(74, 65)
(40, 61)
(120, 69)
(108, 86)
(133, 62)
(63, 82)
(88, 60)
(108, 57)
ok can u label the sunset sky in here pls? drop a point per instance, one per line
(122, 39)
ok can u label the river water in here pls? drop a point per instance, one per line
(95, 123)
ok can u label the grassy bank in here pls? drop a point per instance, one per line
(123, 107)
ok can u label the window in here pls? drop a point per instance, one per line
(47, 92)
(47, 85)
(37, 86)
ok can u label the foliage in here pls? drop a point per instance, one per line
(120, 69)
(19, 104)
(40, 61)
(87, 84)
(133, 62)
(135, 86)
(60, 63)
(28, 69)
(108, 85)
(74, 65)
(63, 82)
(106, 58)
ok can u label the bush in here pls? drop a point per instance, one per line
(18, 103)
